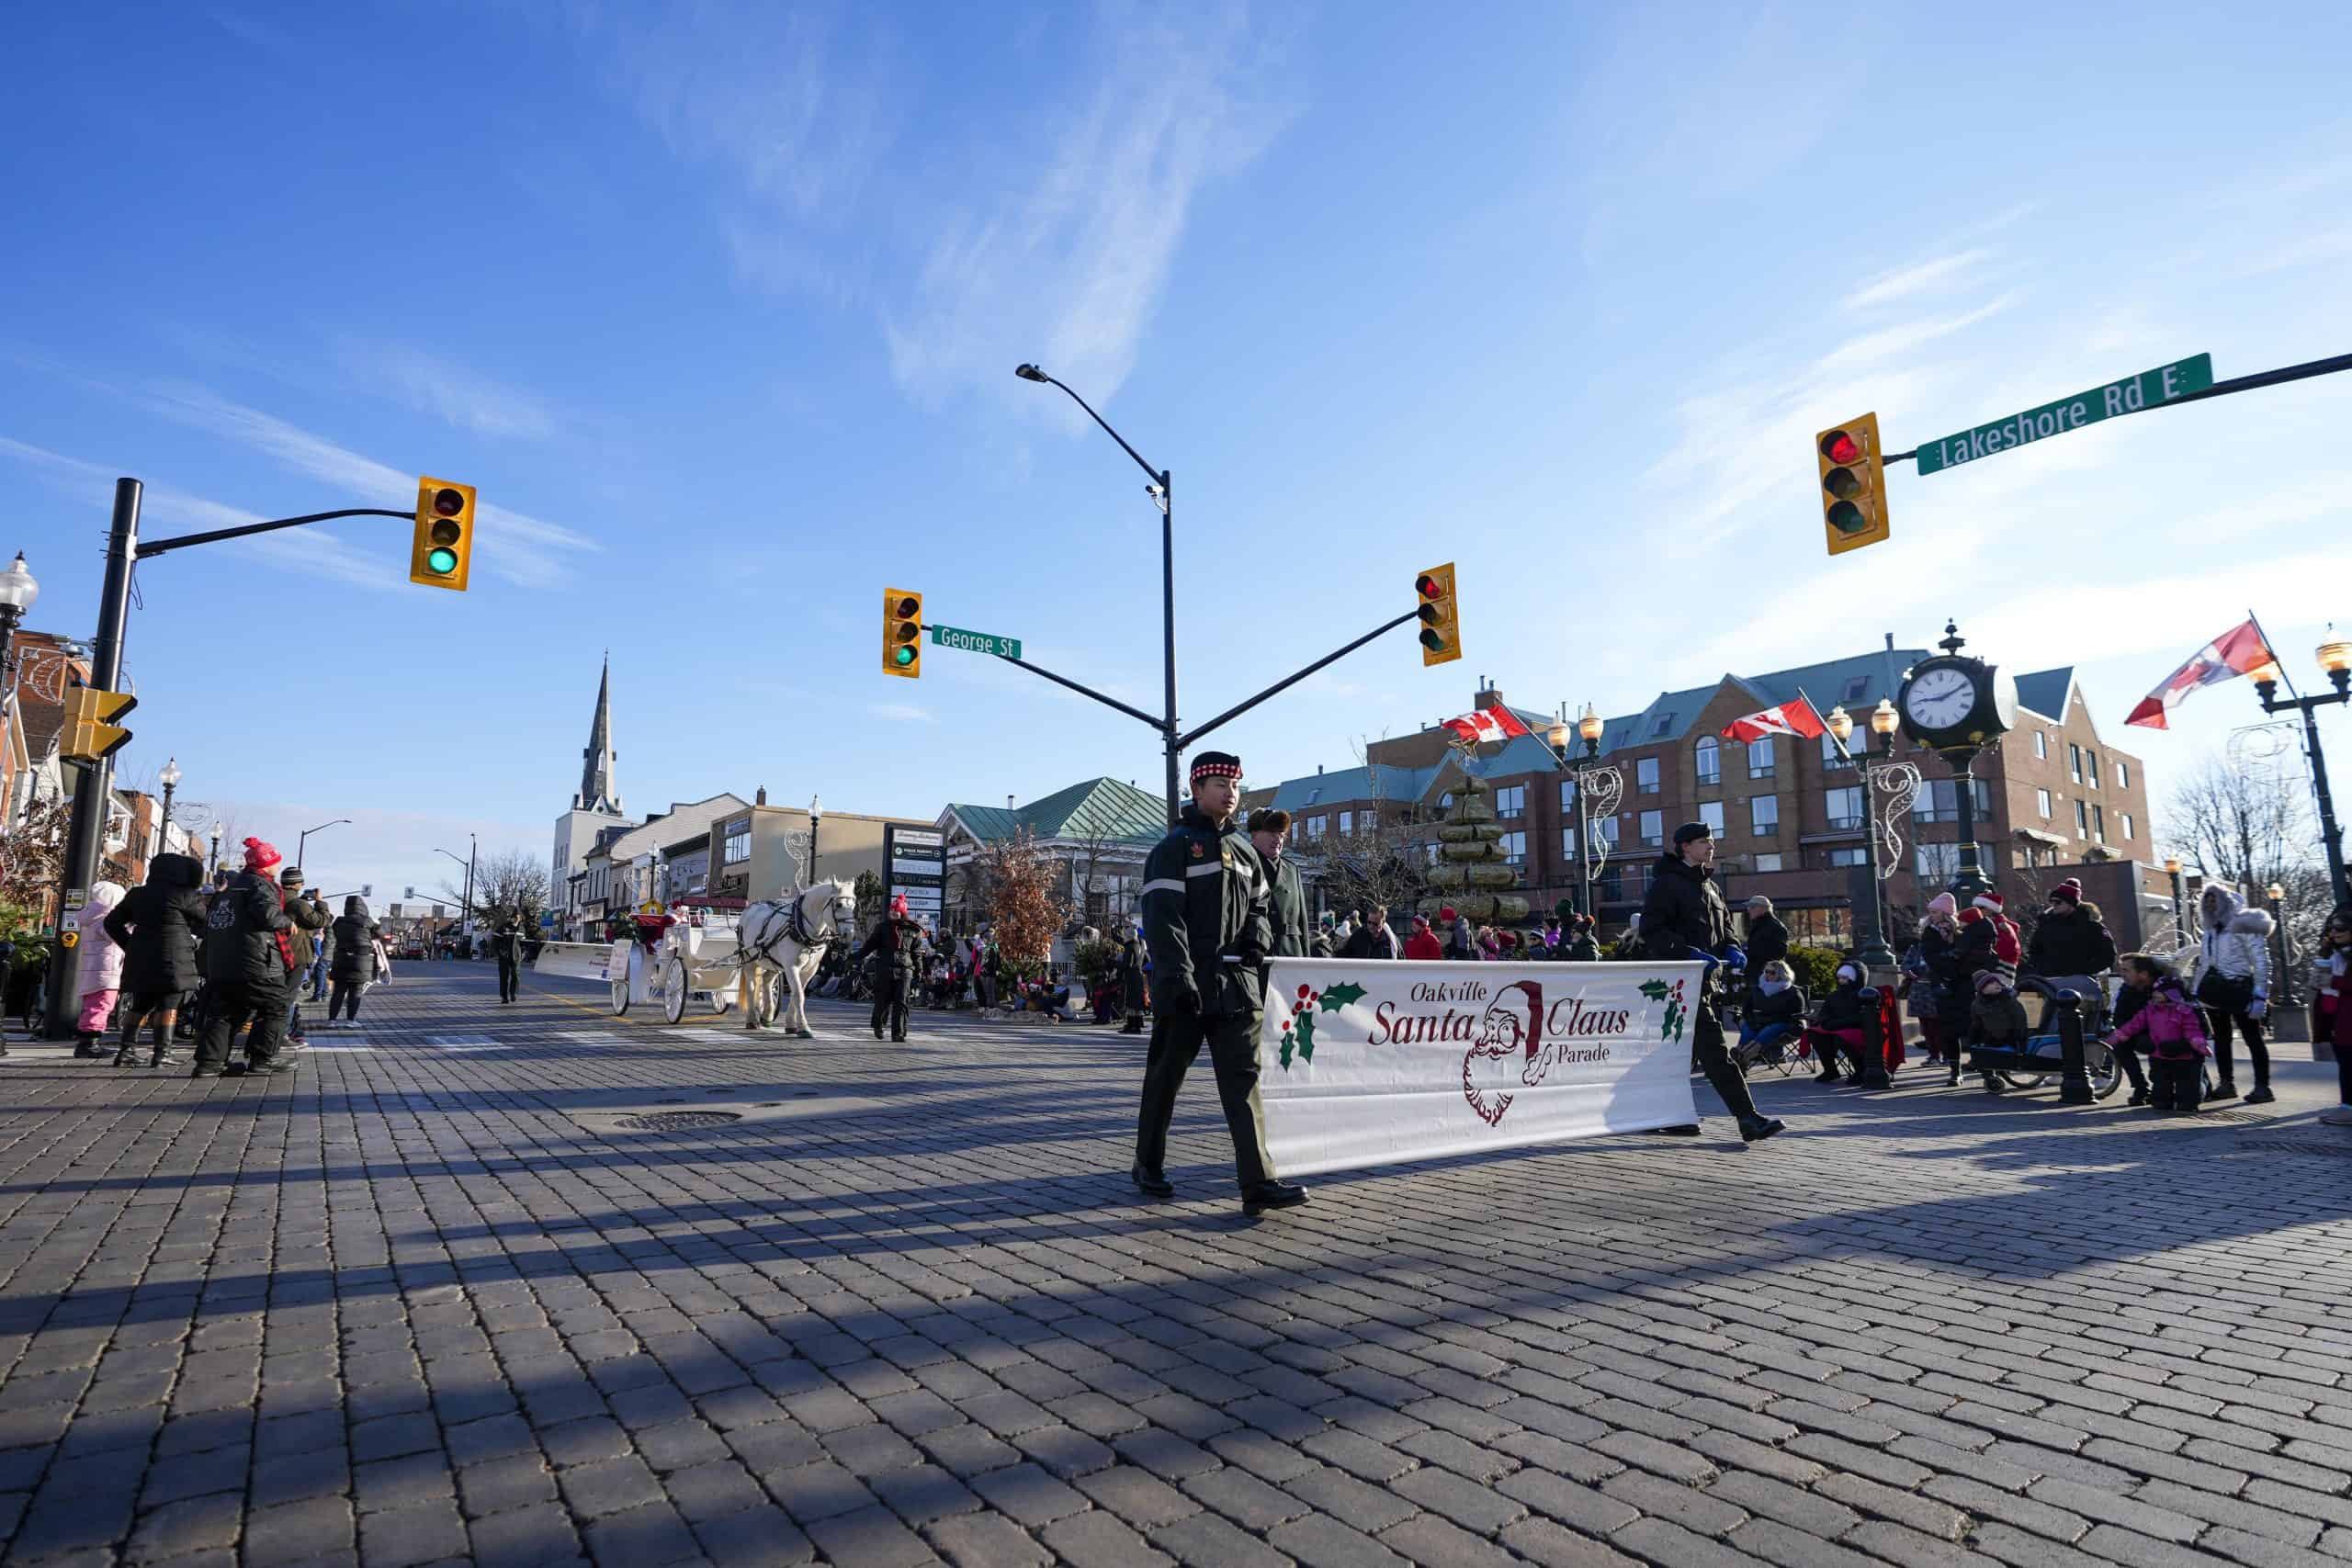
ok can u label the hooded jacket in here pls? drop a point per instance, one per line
(1423, 946)
(2237, 940)
(306, 920)
(2071, 941)
(355, 944)
(101, 966)
(241, 932)
(156, 924)
(2172, 1027)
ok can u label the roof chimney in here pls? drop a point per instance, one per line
(761, 796)
(1490, 696)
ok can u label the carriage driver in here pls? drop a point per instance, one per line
(896, 947)
(1205, 918)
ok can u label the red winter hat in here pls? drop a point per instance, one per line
(260, 856)
(1447, 914)
(1991, 903)
(899, 905)
(2070, 890)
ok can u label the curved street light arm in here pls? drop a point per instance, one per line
(1157, 476)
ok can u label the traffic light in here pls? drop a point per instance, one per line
(90, 735)
(443, 549)
(1441, 627)
(1853, 484)
(902, 633)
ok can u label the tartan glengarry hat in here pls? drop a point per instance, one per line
(1216, 765)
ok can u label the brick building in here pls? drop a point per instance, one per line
(1787, 815)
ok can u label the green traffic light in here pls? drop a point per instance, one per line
(443, 561)
(904, 656)
(1848, 518)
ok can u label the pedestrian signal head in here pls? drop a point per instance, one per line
(1853, 484)
(1440, 629)
(441, 554)
(902, 633)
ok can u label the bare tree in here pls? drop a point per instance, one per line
(1381, 861)
(508, 882)
(2245, 818)
(32, 858)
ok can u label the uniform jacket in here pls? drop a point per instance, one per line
(305, 918)
(1286, 907)
(898, 946)
(1207, 916)
(156, 923)
(101, 964)
(241, 932)
(506, 942)
(2074, 941)
(1684, 909)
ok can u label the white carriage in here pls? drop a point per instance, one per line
(693, 960)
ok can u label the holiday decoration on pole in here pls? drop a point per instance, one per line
(1473, 866)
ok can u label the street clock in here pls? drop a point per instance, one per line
(1956, 702)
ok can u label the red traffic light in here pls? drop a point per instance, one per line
(448, 503)
(1840, 447)
(1427, 586)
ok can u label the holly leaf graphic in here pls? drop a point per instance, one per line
(1305, 1024)
(1338, 997)
(1285, 1055)
(1654, 989)
(1672, 1029)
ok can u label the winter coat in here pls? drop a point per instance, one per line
(1581, 949)
(1423, 946)
(156, 925)
(1988, 943)
(1947, 976)
(2174, 1028)
(1369, 940)
(356, 936)
(101, 966)
(1767, 939)
(1286, 907)
(2071, 941)
(1997, 1020)
(1461, 942)
(1787, 1008)
(1131, 972)
(241, 933)
(1684, 911)
(1206, 917)
(506, 942)
(1844, 1008)
(305, 918)
(2236, 940)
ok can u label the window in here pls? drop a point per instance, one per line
(1511, 802)
(1764, 816)
(2090, 769)
(1849, 857)
(1663, 727)
(1938, 800)
(1711, 812)
(1759, 758)
(1514, 848)
(1710, 758)
(1369, 821)
(1568, 843)
(1830, 756)
(1646, 775)
(1653, 829)
(2126, 817)
(1855, 688)
(2081, 819)
(738, 839)
(1938, 862)
(1846, 808)
(1604, 832)
(2122, 776)
(1316, 826)
(2042, 801)
(2040, 744)
(1428, 854)
(1567, 794)
(2075, 762)
(1767, 862)
(2099, 823)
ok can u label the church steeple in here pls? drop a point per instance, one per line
(597, 792)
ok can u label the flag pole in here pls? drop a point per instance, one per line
(2271, 649)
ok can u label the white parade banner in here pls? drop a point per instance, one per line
(574, 960)
(1362, 1062)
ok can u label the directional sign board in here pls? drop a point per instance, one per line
(975, 642)
(2133, 394)
(915, 867)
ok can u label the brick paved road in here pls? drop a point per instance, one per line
(406, 1306)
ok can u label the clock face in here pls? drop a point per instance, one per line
(1940, 698)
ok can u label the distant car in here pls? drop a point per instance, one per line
(413, 952)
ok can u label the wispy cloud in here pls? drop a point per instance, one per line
(1921, 277)
(448, 390)
(900, 713)
(1069, 266)
(1890, 343)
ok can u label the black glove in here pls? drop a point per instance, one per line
(1253, 954)
(1184, 999)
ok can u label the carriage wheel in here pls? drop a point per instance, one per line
(673, 988)
(2025, 1080)
(620, 999)
(2103, 1068)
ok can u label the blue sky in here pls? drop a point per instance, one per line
(718, 306)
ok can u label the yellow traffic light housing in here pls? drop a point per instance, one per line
(441, 555)
(91, 736)
(1853, 484)
(902, 633)
(1441, 624)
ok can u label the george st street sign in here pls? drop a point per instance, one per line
(975, 642)
(2133, 394)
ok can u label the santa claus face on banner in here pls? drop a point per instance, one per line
(1508, 1036)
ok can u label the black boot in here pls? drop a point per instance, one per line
(86, 1046)
(1271, 1194)
(1952, 1078)
(2259, 1095)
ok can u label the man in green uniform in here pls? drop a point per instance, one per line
(896, 948)
(1286, 897)
(1205, 917)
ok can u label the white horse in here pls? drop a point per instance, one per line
(790, 937)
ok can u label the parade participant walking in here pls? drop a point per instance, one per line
(896, 949)
(358, 945)
(307, 916)
(98, 974)
(2233, 983)
(156, 925)
(1286, 895)
(1206, 915)
(248, 957)
(506, 946)
(1132, 995)
(1684, 917)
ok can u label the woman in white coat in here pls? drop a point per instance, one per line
(98, 981)
(2234, 985)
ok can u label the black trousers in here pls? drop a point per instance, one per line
(1176, 1041)
(510, 973)
(233, 1001)
(2219, 1020)
(344, 997)
(2179, 1086)
(1723, 1075)
(890, 1006)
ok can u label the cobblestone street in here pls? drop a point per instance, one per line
(439, 1296)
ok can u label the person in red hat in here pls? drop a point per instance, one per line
(2071, 946)
(896, 950)
(248, 970)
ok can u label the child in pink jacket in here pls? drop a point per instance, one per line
(2175, 1030)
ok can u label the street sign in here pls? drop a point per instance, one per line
(2133, 394)
(975, 642)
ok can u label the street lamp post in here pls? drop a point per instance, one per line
(816, 815)
(1875, 952)
(19, 589)
(304, 838)
(2179, 921)
(170, 779)
(1588, 727)
(2335, 658)
(2282, 984)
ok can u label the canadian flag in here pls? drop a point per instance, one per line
(2239, 651)
(1795, 718)
(1487, 724)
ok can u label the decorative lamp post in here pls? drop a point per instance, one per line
(1607, 782)
(170, 779)
(1873, 950)
(816, 815)
(2334, 657)
(2179, 923)
(2282, 985)
(17, 590)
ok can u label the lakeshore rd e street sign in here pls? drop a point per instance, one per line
(2133, 394)
(975, 642)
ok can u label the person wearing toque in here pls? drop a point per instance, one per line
(1685, 917)
(1207, 919)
